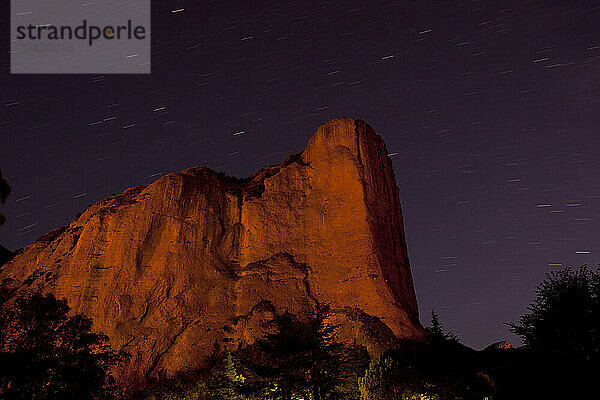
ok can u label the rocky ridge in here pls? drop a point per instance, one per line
(197, 258)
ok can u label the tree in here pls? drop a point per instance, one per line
(5, 190)
(302, 359)
(561, 335)
(439, 369)
(436, 332)
(564, 319)
(45, 353)
(375, 383)
(221, 381)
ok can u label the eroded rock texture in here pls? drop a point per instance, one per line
(196, 258)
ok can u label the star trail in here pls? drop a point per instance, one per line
(490, 112)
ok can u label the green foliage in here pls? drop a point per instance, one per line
(390, 377)
(426, 371)
(355, 360)
(375, 384)
(45, 353)
(224, 381)
(5, 190)
(564, 319)
(178, 390)
(303, 360)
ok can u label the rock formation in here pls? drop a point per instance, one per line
(502, 345)
(198, 258)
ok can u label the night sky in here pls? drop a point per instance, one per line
(490, 114)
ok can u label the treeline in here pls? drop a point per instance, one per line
(304, 360)
(47, 353)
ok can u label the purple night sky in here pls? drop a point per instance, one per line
(490, 113)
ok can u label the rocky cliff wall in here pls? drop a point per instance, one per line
(196, 258)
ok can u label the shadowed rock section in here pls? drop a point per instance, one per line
(196, 258)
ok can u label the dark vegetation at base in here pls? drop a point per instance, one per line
(47, 354)
(302, 361)
(560, 359)
(561, 336)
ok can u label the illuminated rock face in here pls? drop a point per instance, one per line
(195, 258)
(503, 345)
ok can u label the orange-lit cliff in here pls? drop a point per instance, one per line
(195, 258)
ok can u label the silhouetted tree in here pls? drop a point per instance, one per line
(561, 335)
(564, 319)
(45, 353)
(425, 371)
(303, 358)
(4, 192)
(436, 332)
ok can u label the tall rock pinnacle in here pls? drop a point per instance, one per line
(196, 258)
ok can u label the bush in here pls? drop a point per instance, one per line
(394, 377)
